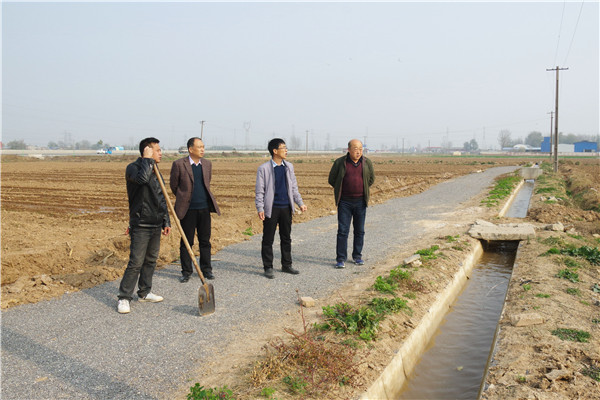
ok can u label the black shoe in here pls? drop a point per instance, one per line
(269, 273)
(208, 275)
(290, 270)
(184, 279)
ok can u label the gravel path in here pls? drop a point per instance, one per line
(79, 347)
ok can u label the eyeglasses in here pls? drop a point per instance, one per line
(282, 148)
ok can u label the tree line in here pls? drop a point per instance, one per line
(60, 145)
(535, 139)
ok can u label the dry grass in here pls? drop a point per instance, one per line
(585, 195)
(307, 363)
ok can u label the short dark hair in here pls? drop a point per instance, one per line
(146, 142)
(274, 144)
(191, 141)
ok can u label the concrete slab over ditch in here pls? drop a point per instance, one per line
(484, 230)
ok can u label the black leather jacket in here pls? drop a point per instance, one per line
(147, 205)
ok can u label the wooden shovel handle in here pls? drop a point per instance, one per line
(172, 210)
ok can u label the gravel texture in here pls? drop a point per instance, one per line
(79, 347)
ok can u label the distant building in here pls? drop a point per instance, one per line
(546, 144)
(586, 146)
(566, 148)
(522, 148)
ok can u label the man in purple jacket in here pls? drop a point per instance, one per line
(276, 192)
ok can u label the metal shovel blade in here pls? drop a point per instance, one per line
(206, 299)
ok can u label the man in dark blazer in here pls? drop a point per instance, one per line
(190, 182)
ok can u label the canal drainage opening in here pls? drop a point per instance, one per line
(505, 246)
(455, 361)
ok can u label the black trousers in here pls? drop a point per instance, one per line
(283, 218)
(196, 220)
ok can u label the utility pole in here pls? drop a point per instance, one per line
(551, 118)
(202, 130)
(556, 118)
(307, 142)
(247, 129)
(484, 144)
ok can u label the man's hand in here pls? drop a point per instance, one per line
(303, 207)
(148, 152)
(166, 230)
(261, 215)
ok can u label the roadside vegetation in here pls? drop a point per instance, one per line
(327, 355)
(502, 189)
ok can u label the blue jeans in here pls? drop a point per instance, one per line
(143, 252)
(355, 211)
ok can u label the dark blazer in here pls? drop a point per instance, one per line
(182, 185)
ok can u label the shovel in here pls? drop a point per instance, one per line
(206, 293)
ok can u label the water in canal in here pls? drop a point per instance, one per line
(453, 366)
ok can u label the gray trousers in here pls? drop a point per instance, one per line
(143, 253)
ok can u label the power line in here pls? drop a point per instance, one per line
(559, 31)
(574, 31)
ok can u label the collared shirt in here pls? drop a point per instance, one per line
(193, 163)
(274, 164)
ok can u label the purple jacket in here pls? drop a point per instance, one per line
(265, 187)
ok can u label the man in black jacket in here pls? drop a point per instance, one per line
(148, 217)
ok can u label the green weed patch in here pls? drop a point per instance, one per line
(571, 263)
(451, 238)
(593, 372)
(591, 254)
(554, 241)
(198, 392)
(503, 188)
(568, 274)
(572, 335)
(295, 384)
(385, 285)
(428, 254)
(361, 321)
(549, 189)
(385, 306)
(344, 318)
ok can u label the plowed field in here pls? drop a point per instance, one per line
(64, 218)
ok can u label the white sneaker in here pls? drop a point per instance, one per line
(152, 298)
(123, 306)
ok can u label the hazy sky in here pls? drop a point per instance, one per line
(422, 72)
